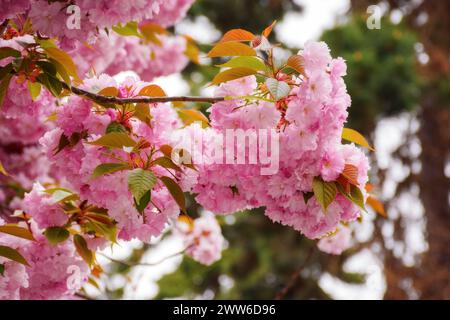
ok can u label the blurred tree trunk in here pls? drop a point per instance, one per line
(431, 278)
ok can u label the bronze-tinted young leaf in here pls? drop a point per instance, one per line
(232, 48)
(142, 112)
(356, 137)
(175, 191)
(166, 162)
(17, 231)
(4, 84)
(232, 74)
(245, 62)
(56, 235)
(64, 59)
(2, 170)
(351, 173)
(324, 191)
(6, 52)
(297, 63)
(152, 90)
(189, 116)
(139, 182)
(151, 32)
(106, 168)
(12, 254)
(114, 140)
(376, 205)
(267, 31)
(192, 51)
(109, 91)
(166, 150)
(2, 269)
(237, 35)
(82, 249)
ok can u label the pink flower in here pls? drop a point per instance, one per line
(43, 208)
(316, 55)
(337, 242)
(204, 240)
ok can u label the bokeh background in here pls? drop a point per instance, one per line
(398, 78)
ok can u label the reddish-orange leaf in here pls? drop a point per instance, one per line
(344, 183)
(237, 35)
(268, 30)
(184, 218)
(152, 90)
(369, 187)
(297, 63)
(231, 48)
(351, 173)
(377, 205)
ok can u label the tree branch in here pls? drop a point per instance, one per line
(115, 100)
(294, 277)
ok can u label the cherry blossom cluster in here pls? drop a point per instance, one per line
(83, 172)
(56, 19)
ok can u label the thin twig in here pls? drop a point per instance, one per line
(121, 101)
(144, 264)
(294, 277)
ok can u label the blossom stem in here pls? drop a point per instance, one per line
(121, 101)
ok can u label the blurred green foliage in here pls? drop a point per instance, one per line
(381, 66)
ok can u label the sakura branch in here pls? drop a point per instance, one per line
(121, 101)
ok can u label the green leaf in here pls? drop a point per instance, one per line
(115, 140)
(245, 62)
(145, 200)
(56, 235)
(61, 195)
(17, 231)
(355, 195)
(2, 269)
(130, 29)
(5, 70)
(278, 89)
(12, 254)
(175, 191)
(4, 84)
(325, 192)
(35, 89)
(115, 127)
(82, 249)
(106, 168)
(232, 74)
(109, 231)
(51, 83)
(65, 60)
(140, 181)
(61, 71)
(6, 52)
